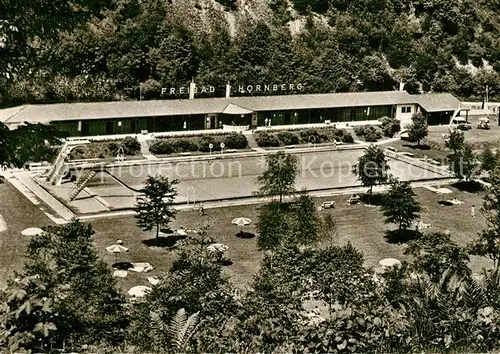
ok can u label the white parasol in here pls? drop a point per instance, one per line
(116, 249)
(241, 221)
(32, 231)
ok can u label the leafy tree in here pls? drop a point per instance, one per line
(455, 141)
(28, 143)
(418, 128)
(154, 204)
(488, 160)
(340, 277)
(435, 254)
(464, 164)
(273, 226)
(279, 178)
(23, 24)
(196, 285)
(371, 168)
(401, 206)
(487, 244)
(307, 223)
(64, 296)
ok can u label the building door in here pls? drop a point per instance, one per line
(85, 128)
(110, 128)
(287, 118)
(151, 124)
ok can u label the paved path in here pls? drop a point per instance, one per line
(143, 140)
(252, 143)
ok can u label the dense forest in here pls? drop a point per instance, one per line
(89, 50)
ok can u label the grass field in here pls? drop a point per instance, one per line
(19, 214)
(478, 138)
(360, 224)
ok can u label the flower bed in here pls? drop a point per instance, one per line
(303, 136)
(166, 146)
(105, 149)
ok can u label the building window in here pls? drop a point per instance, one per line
(406, 109)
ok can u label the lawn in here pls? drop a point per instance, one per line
(434, 147)
(361, 225)
(19, 214)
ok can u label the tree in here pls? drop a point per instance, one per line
(24, 24)
(435, 253)
(455, 141)
(464, 164)
(306, 223)
(401, 206)
(273, 226)
(487, 244)
(194, 284)
(488, 160)
(371, 168)
(28, 143)
(279, 178)
(417, 130)
(64, 296)
(154, 205)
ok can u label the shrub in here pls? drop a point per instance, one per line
(131, 145)
(205, 141)
(162, 147)
(390, 126)
(347, 137)
(372, 134)
(288, 138)
(360, 130)
(264, 140)
(235, 141)
(185, 145)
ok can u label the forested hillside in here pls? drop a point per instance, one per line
(88, 50)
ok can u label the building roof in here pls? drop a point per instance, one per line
(235, 109)
(231, 105)
(129, 109)
(438, 102)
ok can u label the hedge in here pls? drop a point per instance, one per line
(165, 146)
(304, 136)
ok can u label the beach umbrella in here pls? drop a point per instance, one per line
(139, 291)
(116, 249)
(443, 191)
(32, 231)
(241, 221)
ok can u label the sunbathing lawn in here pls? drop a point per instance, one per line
(362, 225)
(479, 139)
(19, 214)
